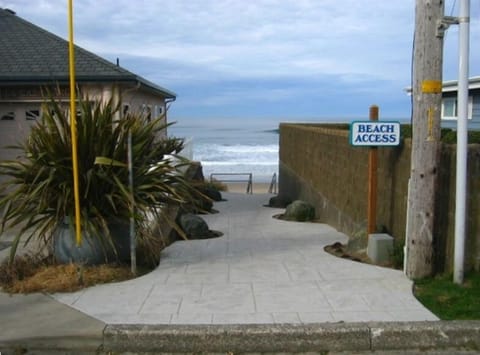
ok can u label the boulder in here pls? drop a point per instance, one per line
(279, 202)
(199, 205)
(300, 211)
(194, 226)
(202, 205)
(211, 192)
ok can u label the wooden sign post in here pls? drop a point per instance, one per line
(372, 179)
(373, 134)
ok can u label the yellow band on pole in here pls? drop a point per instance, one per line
(431, 87)
(73, 122)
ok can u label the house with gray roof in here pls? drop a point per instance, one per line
(33, 59)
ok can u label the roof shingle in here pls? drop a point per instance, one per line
(30, 54)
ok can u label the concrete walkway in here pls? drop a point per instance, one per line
(212, 296)
(261, 271)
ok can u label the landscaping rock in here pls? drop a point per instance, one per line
(212, 193)
(300, 211)
(200, 205)
(194, 226)
(279, 202)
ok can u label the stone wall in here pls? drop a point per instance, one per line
(318, 164)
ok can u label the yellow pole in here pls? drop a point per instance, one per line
(73, 122)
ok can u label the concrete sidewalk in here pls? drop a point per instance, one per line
(266, 285)
(262, 270)
(37, 321)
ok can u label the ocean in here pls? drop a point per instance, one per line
(239, 146)
(226, 147)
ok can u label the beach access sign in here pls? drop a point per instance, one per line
(374, 133)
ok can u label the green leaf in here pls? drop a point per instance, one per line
(109, 161)
(38, 191)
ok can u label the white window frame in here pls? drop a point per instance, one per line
(159, 110)
(8, 116)
(454, 100)
(32, 114)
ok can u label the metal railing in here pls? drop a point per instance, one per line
(248, 181)
(273, 184)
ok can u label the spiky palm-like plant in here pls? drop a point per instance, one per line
(38, 194)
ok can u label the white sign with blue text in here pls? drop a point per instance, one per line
(374, 133)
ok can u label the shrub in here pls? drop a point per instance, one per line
(39, 193)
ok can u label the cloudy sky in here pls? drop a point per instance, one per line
(286, 59)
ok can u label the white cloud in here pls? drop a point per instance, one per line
(210, 41)
(262, 37)
(244, 95)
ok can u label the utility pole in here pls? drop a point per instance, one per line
(462, 142)
(427, 99)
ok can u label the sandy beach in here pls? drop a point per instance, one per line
(241, 187)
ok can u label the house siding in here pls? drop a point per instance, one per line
(474, 123)
(13, 132)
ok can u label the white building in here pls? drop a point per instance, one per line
(449, 104)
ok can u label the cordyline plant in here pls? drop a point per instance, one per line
(38, 193)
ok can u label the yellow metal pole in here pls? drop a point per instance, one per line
(73, 122)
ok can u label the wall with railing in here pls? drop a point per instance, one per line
(318, 164)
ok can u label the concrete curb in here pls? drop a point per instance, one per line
(236, 338)
(425, 335)
(292, 338)
(443, 337)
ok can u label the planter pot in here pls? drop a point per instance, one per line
(93, 250)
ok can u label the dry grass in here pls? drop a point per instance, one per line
(30, 274)
(340, 250)
(218, 185)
